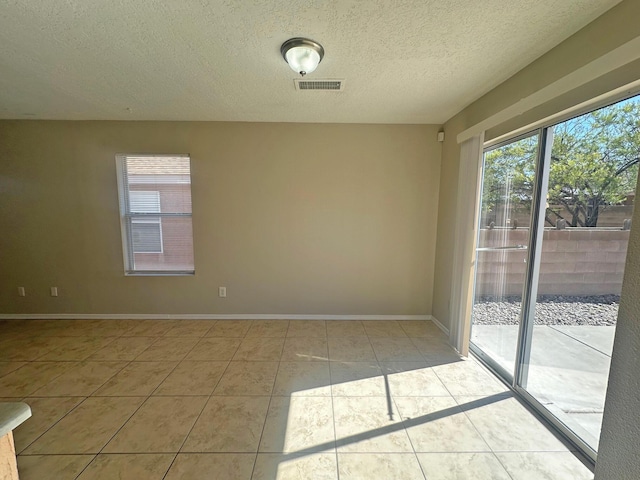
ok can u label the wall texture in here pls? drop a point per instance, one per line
(618, 457)
(616, 27)
(291, 218)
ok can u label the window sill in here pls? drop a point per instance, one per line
(159, 274)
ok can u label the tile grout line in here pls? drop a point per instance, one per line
(205, 403)
(501, 463)
(95, 353)
(187, 435)
(73, 409)
(173, 370)
(125, 422)
(393, 401)
(131, 416)
(415, 454)
(63, 396)
(333, 408)
(255, 461)
(458, 405)
(464, 412)
(115, 337)
(491, 450)
(52, 425)
(200, 338)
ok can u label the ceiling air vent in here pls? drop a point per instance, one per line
(324, 85)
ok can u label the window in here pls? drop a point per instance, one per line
(155, 214)
(146, 233)
(553, 231)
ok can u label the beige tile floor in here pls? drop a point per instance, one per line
(241, 399)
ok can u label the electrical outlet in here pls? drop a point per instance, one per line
(54, 291)
(222, 291)
(21, 292)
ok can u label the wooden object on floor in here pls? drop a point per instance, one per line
(8, 464)
(12, 414)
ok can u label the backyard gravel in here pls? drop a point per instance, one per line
(550, 310)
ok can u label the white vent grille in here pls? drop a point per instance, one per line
(322, 85)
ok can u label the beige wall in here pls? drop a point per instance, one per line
(618, 457)
(616, 27)
(449, 169)
(291, 218)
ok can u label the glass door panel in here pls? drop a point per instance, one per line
(554, 226)
(503, 236)
(592, 177)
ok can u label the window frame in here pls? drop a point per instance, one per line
(127, 217)
(147, 220)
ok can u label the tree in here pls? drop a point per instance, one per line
(594, 164)
(508, 180)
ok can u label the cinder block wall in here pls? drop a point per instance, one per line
(577, 261)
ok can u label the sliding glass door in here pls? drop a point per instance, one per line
(505, 215)
(554, 223)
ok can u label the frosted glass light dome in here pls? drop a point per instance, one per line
(302, 55)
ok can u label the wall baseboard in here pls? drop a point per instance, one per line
(439, 325)
(206, 316)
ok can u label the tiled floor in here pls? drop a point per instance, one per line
(178, 399)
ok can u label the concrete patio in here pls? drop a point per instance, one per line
(568, 371)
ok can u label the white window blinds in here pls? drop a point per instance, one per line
(155, 214)
(146, 232)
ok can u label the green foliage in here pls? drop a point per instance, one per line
(594, 164)
(508, 177)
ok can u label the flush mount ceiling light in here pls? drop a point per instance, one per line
(302, 55)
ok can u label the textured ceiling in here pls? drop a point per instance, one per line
(403, 61)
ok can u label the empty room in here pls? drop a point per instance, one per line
(319, 240)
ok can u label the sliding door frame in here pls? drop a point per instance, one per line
(534, 253)
(463, 279)
(518, 379)
(498, 369)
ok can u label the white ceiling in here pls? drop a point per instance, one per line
(403, 61)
